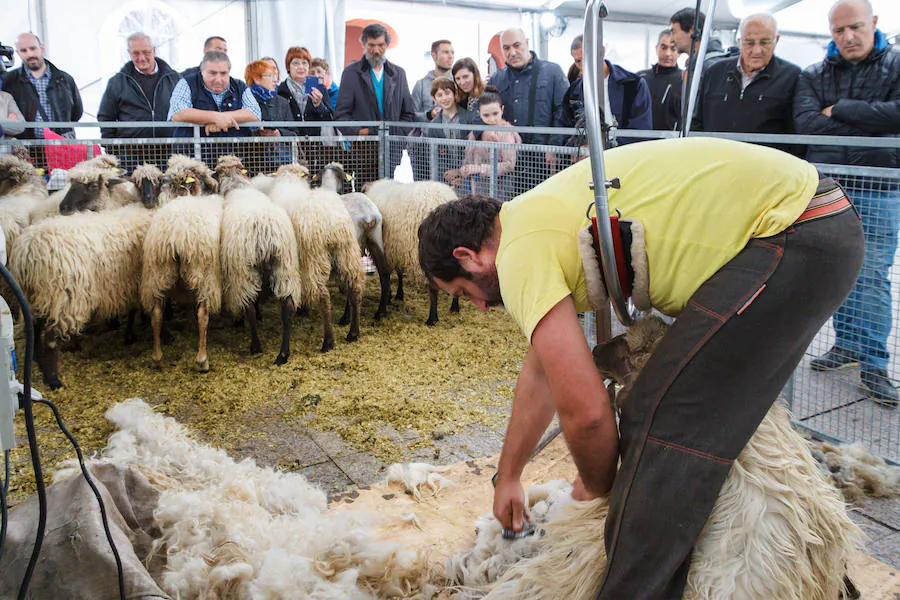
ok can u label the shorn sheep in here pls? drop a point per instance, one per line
(235, 530)
(258, 253)
(367, 222)
(182, 248)
(325, 239)
(778, 530)
(404, 206)
(72, 268)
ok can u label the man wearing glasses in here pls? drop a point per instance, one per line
(140, 91)
(753, 94)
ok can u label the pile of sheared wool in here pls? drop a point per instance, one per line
(236, 530)
(856, 471)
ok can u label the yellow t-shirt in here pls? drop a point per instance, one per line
(700, 201)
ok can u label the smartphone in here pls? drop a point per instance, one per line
(314, 82)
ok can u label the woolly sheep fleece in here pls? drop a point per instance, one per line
(403, 207)
(62, 261)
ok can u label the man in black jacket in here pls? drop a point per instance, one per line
(41, 90)
(140, 91)
(856, 91)
(753, 94)
(664, 81)
(373, 89)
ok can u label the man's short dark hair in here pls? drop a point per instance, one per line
(210, 39)
(435, 46)
(685, 19)
(467, 222)
(577, 43)
(215, 56)
(663, 34)
(375, 31)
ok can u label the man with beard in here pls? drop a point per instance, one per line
(751, 286)
(442, 55)
(664, 81)
(373, 89)
(41, 90)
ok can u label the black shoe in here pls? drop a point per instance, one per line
(880, 387)
(836, 358)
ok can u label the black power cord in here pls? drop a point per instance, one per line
(27, 407)
(90, 482)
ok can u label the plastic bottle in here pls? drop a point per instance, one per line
(403, 172)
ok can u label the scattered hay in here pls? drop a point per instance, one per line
(399, 378)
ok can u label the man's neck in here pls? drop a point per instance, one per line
(377, 68)
(440, 71)
(746, 71)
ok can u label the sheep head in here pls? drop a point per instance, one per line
(187, 177)
(148, 179)
(103, 161)
(293, 170)
(230, 173)
(623, 357)
(89, 188)
(15, 172)
(334, 178)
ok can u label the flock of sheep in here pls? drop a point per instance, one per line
(106, 246)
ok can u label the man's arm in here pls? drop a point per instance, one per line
(77, 105)
(871, 117)
(585, 413)
(560, 87)
(532, 411)
(109, 108)
(808, 117)
(641, 113)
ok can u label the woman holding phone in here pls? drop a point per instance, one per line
(304, 93)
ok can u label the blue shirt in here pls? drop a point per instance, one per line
(40, 84)
(378, 82)
(181, 99)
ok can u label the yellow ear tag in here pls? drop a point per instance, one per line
(244, 171)
(348, 177)
(189, 180)
(40, 172)
(303, 175)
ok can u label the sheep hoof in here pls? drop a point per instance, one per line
(343, 321)
(352, 337)
(202, 365)
(255, 348)
(431, 322)
(327, 345)
(53, 383)
(281, 359)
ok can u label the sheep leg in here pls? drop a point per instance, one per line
(258, 310)
(325, 309)
(432, 306)
(399, 295)
(50, 361)
(384, 278)
(130, 337)
(345, 318)
(156, 318)
(38, 341)
(287, 317)
(202, 360)
(255, 344)
(454, 304)
(353, 297)
(302, 311)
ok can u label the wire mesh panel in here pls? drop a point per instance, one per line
(844, 388)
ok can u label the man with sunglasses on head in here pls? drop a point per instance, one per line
(753, 94)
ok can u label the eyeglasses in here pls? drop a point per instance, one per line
(270, 76)
(764, 44)
(137, 53)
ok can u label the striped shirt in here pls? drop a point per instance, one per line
(40, 84)
(181, 99)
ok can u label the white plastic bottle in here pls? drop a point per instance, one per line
(404, 172)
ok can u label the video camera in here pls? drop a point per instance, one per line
(6, 57)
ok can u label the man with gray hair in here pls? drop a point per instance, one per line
(140, 91)
(753, 94)
(373, 88)
(856, 91)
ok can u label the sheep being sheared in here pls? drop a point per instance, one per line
(403, 207)
(779, 529)
(258, 253)
(367, 222)
(181, 250)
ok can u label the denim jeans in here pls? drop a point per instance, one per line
(863, 322)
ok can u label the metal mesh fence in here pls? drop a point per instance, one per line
(841, 404)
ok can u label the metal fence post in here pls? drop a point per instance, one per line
(383, 150)
(433, 174)
(493, 188)
(197, 154)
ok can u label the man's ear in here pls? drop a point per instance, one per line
(467, 258)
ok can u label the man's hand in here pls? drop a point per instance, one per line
(579, 493)
(12, 117)
(223, 121)
(363, 131)
(509, 503)
(827, 110)
(316, 96)
(552, 161)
